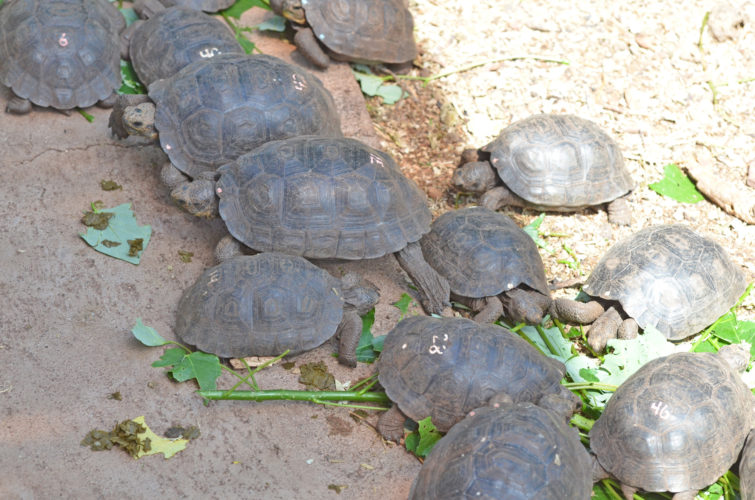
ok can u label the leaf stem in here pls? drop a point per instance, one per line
(291, 395)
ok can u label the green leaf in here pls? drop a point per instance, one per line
(147, 335)
(129, 14)
(247, 45)
(732, 331)
(123, 238)
(428, 436)
(186, 366)
(172, 356)
(130, 83)
(365, 351)
(275, 23)
(676, 185)
(629, 355)
(373, 85)
(403, 304)
(377, 343)
(533, 230)
(241, 6)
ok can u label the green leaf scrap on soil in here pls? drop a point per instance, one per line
(373, 85)
(403, 304)
(114, 232)
(147, 335)
(135, 437)
(676, 185)
(421, 441)
(185, 366)
(185, 256)
(366, 353)
(110, 185)
(315, 376)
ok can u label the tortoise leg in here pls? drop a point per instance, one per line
(348, 333)
(604, 328)
(628, 491)
(171, 177)
(108, 102)
(628, 329)
(18, 105)
(619, 212)
(227, 248)
(524, 305)
(390, 425)
(500, 196)
(490, 312)
(434, 289)
(571, 311)
(307, 43)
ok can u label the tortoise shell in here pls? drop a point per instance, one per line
(321, 197)
(559, 162)
(216, 109)
(379, 30)
(747, 469)
(60, 53)
(669, 277)
(445, 367)
(176, 37)
(676, 424)
(260, 305)
(516, 452)
(483, 253)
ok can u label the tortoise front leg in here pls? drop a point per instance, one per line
(434, 288)
(490, 312)
(18, 105)
(390, 425)
(108, 102)
(571, 311)
(524, 305)
(619, 212)
(500, 196)
(348, 333)
(604, 328)
(310, 47)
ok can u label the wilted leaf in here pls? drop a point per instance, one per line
(676, 185)
(185, 256)
(121, 228)
(147, 335)
(275, 23)
(241, 6)
(316, 376)
(135, 438)
(158, 444)
(109, 185)
(338, 488)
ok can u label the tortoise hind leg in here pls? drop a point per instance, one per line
(305, 41)
(619, 212)
(18, 105)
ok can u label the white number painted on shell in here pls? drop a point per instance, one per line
(376, 160)
(299, 84)
(211, 52)
(438, 347)
(660, 409)
(62, 41)
(214, 277)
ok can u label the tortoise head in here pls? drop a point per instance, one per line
(140, 120)
(293, 10)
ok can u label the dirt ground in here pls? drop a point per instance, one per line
(65, 341)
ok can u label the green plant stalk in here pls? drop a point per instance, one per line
(596, 386)
(290, 395)
(581, 422)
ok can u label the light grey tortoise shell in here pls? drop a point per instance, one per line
(559, 162)
(668, 277)
(60, 53)
(445, 367)
(518, 452)
(205, 5)
(260, 305)
(176, 37)
(216, 109)
(676, 424)
(321, 197)
(378, 30)
(747, 469)
(483, 253)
